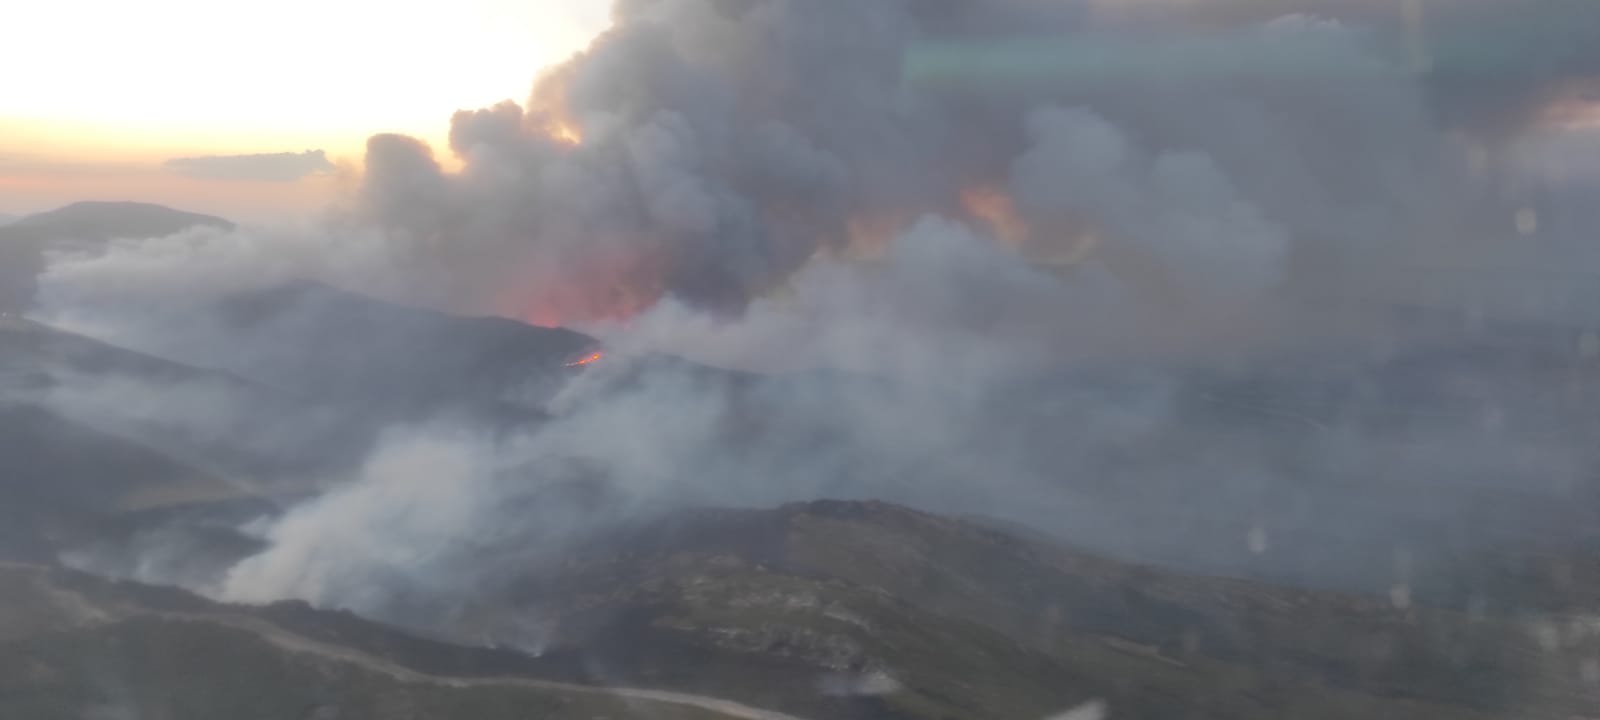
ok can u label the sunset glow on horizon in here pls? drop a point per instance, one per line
(110, 91)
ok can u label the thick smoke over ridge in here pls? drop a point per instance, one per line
(1195, 153)
(709, 150)
(957, 201)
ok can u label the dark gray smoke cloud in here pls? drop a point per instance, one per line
(1485, 66)
(724, 144)
(1207, 156)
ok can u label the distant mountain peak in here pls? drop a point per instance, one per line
(102, 220)
(80, 227)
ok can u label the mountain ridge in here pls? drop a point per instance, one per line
(98, 221)
(79, 227)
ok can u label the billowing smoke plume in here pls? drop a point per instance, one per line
(707, 151)
(1204, 158)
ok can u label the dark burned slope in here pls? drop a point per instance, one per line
(935, 617)
(61, 482)
(50, 462)
(67, 480)
(354, 349)
(96, 440)
(32, 352)
(211, 419)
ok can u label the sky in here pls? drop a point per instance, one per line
(110, 91)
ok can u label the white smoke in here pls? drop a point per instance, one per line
(347, 549)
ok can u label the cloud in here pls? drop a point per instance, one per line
(267, 167)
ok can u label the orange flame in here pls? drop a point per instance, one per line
(869, 234)
(564, 132)
(992, 206)
(593, 357)
(548, 110)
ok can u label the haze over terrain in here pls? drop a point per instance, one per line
(892, 359)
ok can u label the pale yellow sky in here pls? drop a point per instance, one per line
(97, 93)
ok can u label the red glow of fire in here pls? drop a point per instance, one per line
(587, 359)
(584, 286)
